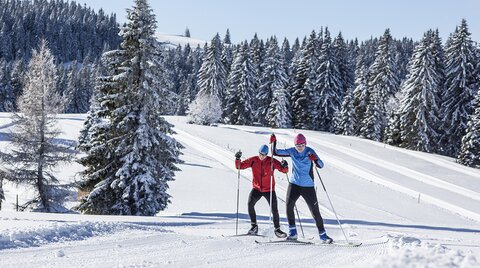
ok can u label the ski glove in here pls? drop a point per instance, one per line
(284, 164)
(273, 138)
(314, 158)
(238, 155)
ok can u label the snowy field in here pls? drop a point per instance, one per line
(410, 209)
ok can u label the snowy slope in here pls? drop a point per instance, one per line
(375, 190)
(179, 40)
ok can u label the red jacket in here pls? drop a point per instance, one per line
(261, 171)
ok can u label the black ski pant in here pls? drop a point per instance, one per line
(255, 195)
(310, 196)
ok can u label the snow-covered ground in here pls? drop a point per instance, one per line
(180, 40)
(410, 209)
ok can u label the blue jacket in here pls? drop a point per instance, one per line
(302, 166)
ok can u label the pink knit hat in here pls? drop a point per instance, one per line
(300, 139)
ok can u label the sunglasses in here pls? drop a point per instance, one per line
(263, 154)
(300, 145)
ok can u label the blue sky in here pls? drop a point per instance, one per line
(297, 18)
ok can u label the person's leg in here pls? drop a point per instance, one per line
(310, 196)
(293, 194)
(274, 205)
(252, 200)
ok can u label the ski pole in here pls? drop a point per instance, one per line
(271, 185)
(328, 197)
(238, 197)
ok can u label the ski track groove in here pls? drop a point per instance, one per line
(224, 157)
(373, 177)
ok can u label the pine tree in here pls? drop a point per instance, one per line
(383, 83)
(97, 134)
(241, 81)
(275, 83)
(304, 98)
(361, 95)
(419, 108)
(328, 85)
(144, 155)
(373, 124)
(212, 76)
(2, 193)
(460, 88)
(6, 90)
(35, 155)
(470, 149)
(227, 39)
(187, 32)
(340, 54)
(345, 118)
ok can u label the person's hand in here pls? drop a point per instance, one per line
(312, 157)
(284, 164)
(238, 155)
(273, 138)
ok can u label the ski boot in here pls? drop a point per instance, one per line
(279, 233)
(292, 233)
(325, 239)
(253, 230)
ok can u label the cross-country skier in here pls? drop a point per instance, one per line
(262, 173)
(301, 183)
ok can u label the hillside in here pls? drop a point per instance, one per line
(408, 208)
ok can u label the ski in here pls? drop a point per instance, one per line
(301, 242)
(241, 235)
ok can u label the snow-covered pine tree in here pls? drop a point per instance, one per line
(227, 57)
(264, 94)
(79, 87)
(470, 149)
(345, 118)
(257, 54)
(287, 55)
(420, 106)
(144, 155)
(205, 110)
(328, 85)
(93, 117)
(460, 88)
(35, 153)
(212, 74)
(275, 80)
(393, 130)
(227, 39)
(303, 97)
(7, 99)
(97, 136)
(241, 82)
(187, 32)
(383, 83)
(212, 78)
(340, 54)
(2, 193)
(374, 122)
(361, 95)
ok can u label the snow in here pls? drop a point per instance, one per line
(179, 40)
(374, 188)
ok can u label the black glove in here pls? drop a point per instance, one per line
(238, 155)
(284, 164)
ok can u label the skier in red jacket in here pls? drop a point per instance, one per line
(262, 173)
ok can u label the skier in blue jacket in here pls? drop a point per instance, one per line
(301, 183)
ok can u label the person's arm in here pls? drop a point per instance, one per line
(244, 164)
(278, 152)
(312, 155)
(280, 166)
